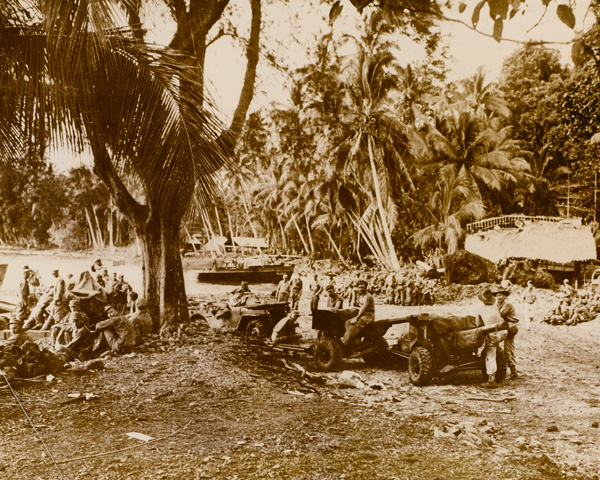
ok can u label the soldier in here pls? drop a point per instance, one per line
(116, 332)
(64, 332)
(390, 288)
(285, 329)
(529, 300)
(316, 288)
(365, 316)
(58, 308)
(141, 321)
(509, 315)
(334, 300)
(283, 289)
(490, 315)
(296, 292)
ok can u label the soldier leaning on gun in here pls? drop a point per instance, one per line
(509, 315)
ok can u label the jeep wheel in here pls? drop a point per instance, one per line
(378, 353)
(328, 353)
(257, 329)
(420, 366)
(500, 365)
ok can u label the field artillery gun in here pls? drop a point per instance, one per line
(436, 346)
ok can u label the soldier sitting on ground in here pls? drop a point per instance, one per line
(116, 333)
(75, 337)
(141, 321)
(285, 329)
(63, 332)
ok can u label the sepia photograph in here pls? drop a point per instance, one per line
(299, 239)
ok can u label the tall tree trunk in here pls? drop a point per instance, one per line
(310, 240)
(335, 247)
(301, 236)
(163, 272)
(219, 221)
(395, 264)
(91, 228)
(283, 237)
(248, 215)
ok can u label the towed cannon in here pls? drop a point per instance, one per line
(438, 346)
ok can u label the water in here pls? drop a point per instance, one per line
(44, 263)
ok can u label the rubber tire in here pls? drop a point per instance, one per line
(501, 366)
(256, 329)
(379, 356)
(420, 366)
(328, 354)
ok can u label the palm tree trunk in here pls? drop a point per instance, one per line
(312, 246)
(91, 228)
(248, 216)
(301, 236)
(231, 232)
(163, 272)
(386, 228)
(335, 247)
(98, 230)
(219, 221)
(283, 237)
(109, 226)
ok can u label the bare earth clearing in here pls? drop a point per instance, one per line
(238, 414)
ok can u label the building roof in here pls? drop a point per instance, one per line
(559, 241)
(250, 242)
(219, 243)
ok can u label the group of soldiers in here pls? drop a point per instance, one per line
(574, 307)
(99, 313)
(406, 292)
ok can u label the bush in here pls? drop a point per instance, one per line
(467, 268)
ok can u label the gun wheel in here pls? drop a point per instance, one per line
(420, 366)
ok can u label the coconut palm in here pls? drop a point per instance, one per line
(484, 98)
(461, 138)
(542, 187)
(67, 75)
(376, 148)
(456, 202)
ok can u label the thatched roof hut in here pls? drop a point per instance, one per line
(537, 238)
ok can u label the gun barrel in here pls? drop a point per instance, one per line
(494, 328)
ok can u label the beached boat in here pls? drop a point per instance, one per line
(250, 274)
(258, 269)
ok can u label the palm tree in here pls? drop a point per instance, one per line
(461, 138)
(67, 76)
(484, 98)
(374, 136)
(543, 185)
(456, 202)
